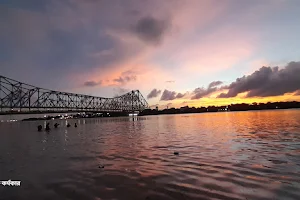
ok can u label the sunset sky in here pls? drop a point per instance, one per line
(176, 52)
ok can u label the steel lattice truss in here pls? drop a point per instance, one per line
(21, 96)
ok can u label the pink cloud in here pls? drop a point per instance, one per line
(187, 42)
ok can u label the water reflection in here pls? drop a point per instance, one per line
(237, 155)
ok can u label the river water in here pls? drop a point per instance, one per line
(227, 155)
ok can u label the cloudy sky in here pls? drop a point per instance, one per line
(176, 52)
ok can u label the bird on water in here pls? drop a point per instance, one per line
(40, 127)
(47, 127)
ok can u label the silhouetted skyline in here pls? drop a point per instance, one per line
(227, 108)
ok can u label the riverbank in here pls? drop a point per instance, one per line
(228, 108)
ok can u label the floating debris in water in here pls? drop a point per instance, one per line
(101, 166)
(176, 153)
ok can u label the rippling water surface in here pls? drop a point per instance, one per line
(229, 155)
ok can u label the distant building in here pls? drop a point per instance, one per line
(184, 109)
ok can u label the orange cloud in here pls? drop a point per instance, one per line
(222, 102)
(139, 54)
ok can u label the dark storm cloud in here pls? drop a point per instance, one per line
(170, 95)
(153, 93)
(267, 81)
(214, 84)
(92, 83)
(32, 40)
(59, 41)
(179, 95)
(199, 93)
(151, 30)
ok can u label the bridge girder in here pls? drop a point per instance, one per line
(24, 97)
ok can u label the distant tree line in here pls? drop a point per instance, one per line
(232, 107)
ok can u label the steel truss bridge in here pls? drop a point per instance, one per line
(18, 97)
